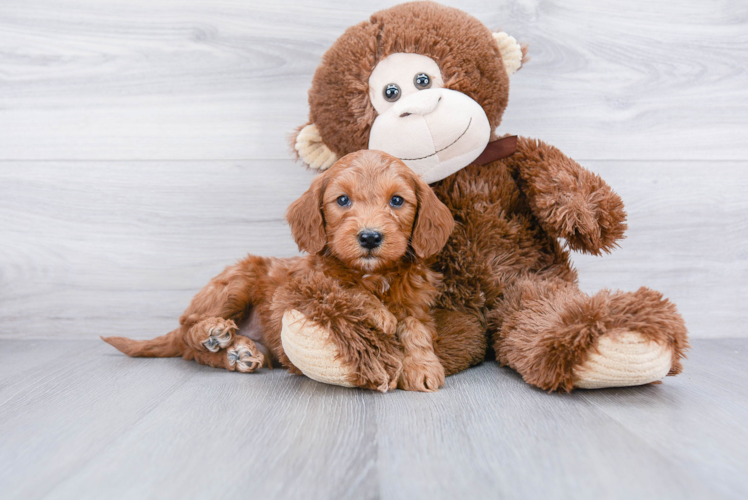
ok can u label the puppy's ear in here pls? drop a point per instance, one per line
(305, 218)
(434, 222)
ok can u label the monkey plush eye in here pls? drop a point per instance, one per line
(391, 92)
(396, 201)
(344, 201)
(422, 81)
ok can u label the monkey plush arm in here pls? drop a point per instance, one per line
(569, 201)
(357, 326)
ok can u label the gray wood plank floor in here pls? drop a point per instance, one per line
(79, 420)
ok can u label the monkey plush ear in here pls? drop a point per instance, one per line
(312, 150)
(512, 53)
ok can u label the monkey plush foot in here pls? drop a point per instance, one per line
(559, 338)
(311, 350)
(623, 358)
(314, 351)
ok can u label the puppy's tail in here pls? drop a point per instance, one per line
(165, 346)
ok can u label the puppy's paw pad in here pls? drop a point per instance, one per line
(245, 359)
(220, 336)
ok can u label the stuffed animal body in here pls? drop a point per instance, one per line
(429, 84)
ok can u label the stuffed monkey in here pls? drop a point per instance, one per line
(429, 84)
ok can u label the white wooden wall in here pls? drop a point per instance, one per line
(143, 145)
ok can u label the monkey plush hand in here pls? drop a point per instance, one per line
(429, 84)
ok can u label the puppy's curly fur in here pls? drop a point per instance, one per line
(373, 296)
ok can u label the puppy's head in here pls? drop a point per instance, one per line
(369, 210)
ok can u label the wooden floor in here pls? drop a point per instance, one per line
(79, 420)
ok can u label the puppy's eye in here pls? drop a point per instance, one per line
(396, 201)
(422, 81)
(391, 92)
(344, 201)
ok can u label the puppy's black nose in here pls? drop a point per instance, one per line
(370, 239)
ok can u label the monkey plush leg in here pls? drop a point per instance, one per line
(460, 344)
(337, 336)
(309, 346)
(559, 338)
(344, 355)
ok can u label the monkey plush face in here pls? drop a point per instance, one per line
(435, 130)
(425, 83)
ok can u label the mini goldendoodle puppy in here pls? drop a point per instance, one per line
(368, 223)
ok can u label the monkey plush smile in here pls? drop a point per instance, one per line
(442, 149)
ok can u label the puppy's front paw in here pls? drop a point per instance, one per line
(244, 356)
(421, 372)
(220, 333)
(384, 320)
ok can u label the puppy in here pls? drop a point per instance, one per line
(368, 224)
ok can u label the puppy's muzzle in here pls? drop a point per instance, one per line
(370, 239)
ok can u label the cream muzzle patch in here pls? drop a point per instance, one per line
(435, 131)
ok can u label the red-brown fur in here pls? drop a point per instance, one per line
(375, 303)
(508, 282)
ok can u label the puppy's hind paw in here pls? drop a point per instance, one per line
(220, 335)
(244, 356)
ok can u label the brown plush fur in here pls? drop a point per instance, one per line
(375, 302)
(508, 282)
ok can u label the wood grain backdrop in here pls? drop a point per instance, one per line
(143, 145)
